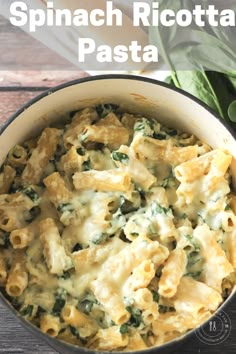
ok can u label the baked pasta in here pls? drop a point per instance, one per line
(116, 232)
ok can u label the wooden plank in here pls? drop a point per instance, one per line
(11, 101)
(20, 51)
(15, 339)
(38, 78)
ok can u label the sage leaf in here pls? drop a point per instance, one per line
(232, 111)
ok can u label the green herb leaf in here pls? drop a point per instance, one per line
(136, 317)
(135, 234)
(87, 303)
(60, 300)
(158, 209)
(192, 242)
(5, 239)
(75, 333)
(164, 309)
(66, 275)
(159, 136)
(86, 166)
(27, 311)
(58, 306)
(104, 109)
(32, 214)
(124, 328)
(144, 126)
(65, 207)
(232, 111)
(126, 206)
(81, 151)
(155, 296)
(40, 311)
(100, 238)
(119, 156)
(30, 193)
(194, 274)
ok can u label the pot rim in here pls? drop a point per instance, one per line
(52, 90)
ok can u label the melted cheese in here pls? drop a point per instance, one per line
(110, 246)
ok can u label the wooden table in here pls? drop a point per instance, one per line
(16, 88)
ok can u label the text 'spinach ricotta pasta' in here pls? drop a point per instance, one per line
(116, 232)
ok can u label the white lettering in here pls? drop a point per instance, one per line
(141, 13)
(113, 12)
(50, 14)
(17, 9)
(184, 18)
(120, 53)
(80, 18)
(150, 54)
(94, 17)
(155, 13)
(63, 17)
(37, 19)
(134, 49)
(212, 12)
(165, 14)
(227, 18)
(198, 12)
(104, 54)
(86, 46)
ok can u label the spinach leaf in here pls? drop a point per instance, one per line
(232, 111)
(27, 311)
(164, 309)
(32, 214)
(158, 209)
(144, 126)
(104, 109)
(197, 83)
(193, 243)
(58, 306)
(195, 274)
(65, 207)
(159, 136)
(75, 333)
(124, 328)
(136, 317)
(40, 311)
(100, 238)
(155, 296)
(5, 239)
(119, 156)
(87, 303)
(66, 275)
(86, 166)
(60, 300)
(81, 151)
(31, 194)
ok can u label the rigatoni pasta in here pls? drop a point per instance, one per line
(116, 232)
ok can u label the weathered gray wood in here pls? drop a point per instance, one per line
(15, 339)
(20, 51)
(38, 78)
